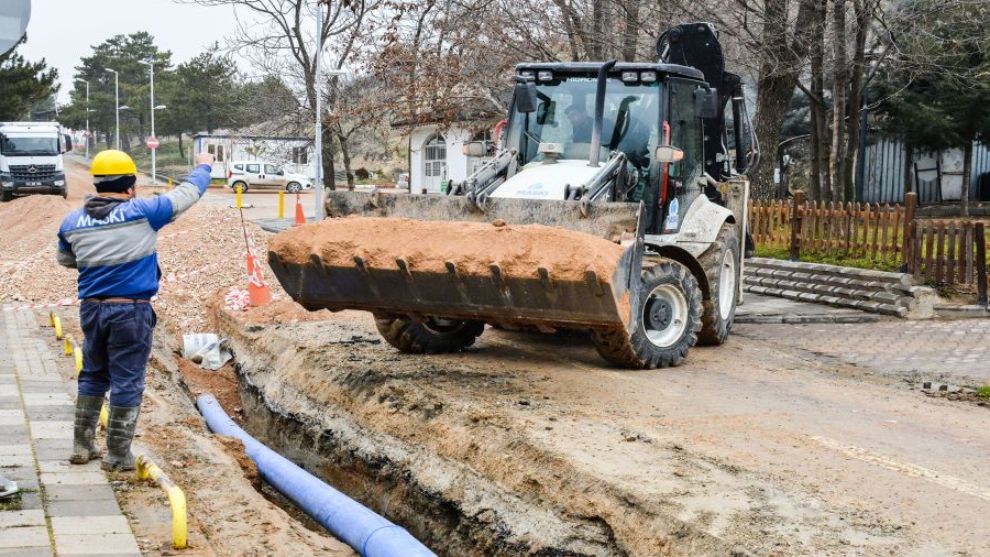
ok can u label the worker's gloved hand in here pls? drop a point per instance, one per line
(205, 158)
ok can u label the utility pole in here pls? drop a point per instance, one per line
(116, 102)
(87, 118)
(318, 141)
(154, 169)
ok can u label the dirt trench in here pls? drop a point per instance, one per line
(473, 461)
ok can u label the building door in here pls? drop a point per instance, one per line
(434, 163)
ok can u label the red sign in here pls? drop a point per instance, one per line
(152, 142)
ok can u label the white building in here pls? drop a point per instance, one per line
(435, 154)
(295, 154)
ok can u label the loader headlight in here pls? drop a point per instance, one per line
(630, 77)
(527, 74)
(544, 76)
(648, 77)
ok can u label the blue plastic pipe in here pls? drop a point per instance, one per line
(353, 523)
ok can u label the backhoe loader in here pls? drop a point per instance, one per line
(637, 154)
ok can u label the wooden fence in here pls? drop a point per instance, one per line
(947, 251)
(935, 251)
(856, 230)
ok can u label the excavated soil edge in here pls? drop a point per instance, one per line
(451, 506)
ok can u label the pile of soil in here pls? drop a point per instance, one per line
(427, 245)
(201, 253)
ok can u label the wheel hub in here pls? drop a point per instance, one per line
(665, 315)
(659, 314)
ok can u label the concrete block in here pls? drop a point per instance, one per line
(96, 544)
(88, 525)
(57, 493)
(13, 519)
(73, 478)
(28, 536)
(51, 429)
(99, 507)
(63, 465)
(28, 552)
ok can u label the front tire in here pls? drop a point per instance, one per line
(432, 336)
(669, 320)
(721, 264)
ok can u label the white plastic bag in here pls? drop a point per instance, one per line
(205, 349)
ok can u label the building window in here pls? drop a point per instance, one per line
(486, 138)
(300, 155)
(219, 153)
(435, 157)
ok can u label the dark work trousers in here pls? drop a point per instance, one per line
(116, 350)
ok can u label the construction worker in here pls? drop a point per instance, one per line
(111, 240)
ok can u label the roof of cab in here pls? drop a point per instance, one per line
(590, 67)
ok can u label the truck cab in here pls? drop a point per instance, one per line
(31, 159)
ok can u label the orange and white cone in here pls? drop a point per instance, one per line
(300, 216)
(258, 292)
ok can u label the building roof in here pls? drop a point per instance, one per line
(233, 135)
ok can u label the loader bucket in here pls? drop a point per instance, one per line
(520, 262)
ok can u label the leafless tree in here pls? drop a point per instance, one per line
(279, 38)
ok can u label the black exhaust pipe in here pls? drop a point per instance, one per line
(596, 131)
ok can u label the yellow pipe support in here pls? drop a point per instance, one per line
(240, 196)
(79, 359)
(176, 498)
(67, 345)
(51, 318)
(281, 204)
(57, 323)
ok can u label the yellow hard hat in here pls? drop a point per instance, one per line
(112, 163)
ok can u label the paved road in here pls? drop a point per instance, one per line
(946, 351)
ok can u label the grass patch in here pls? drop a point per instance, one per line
(983, 392)
(882, 264)
(12, 503)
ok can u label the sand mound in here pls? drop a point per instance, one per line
(471, 246)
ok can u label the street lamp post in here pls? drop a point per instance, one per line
(151, 65)
(116, 103)
(87, 118)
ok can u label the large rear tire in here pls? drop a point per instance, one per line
(6, 195)
(433, 336)
(721, 264)
(669, 320)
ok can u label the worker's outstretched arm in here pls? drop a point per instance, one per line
(167, 207)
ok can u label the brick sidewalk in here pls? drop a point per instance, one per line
(64, 509)
(949, 351)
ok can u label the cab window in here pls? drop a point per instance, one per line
(254, 168)
(272, 169)
(685, 133)
(239, 167)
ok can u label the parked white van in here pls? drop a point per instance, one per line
(261, 174)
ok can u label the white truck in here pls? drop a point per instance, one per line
(31, 159)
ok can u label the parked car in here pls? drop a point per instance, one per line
(261, 174)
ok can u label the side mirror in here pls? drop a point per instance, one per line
(475, 149)
(668, 154)
(525, 95)
(706, 102)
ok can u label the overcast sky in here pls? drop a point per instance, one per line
(63, 31)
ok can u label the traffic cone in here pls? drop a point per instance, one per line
(258, 292)
(300, 216)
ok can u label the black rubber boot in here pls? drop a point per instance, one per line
(120, 432)
(84, 434)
